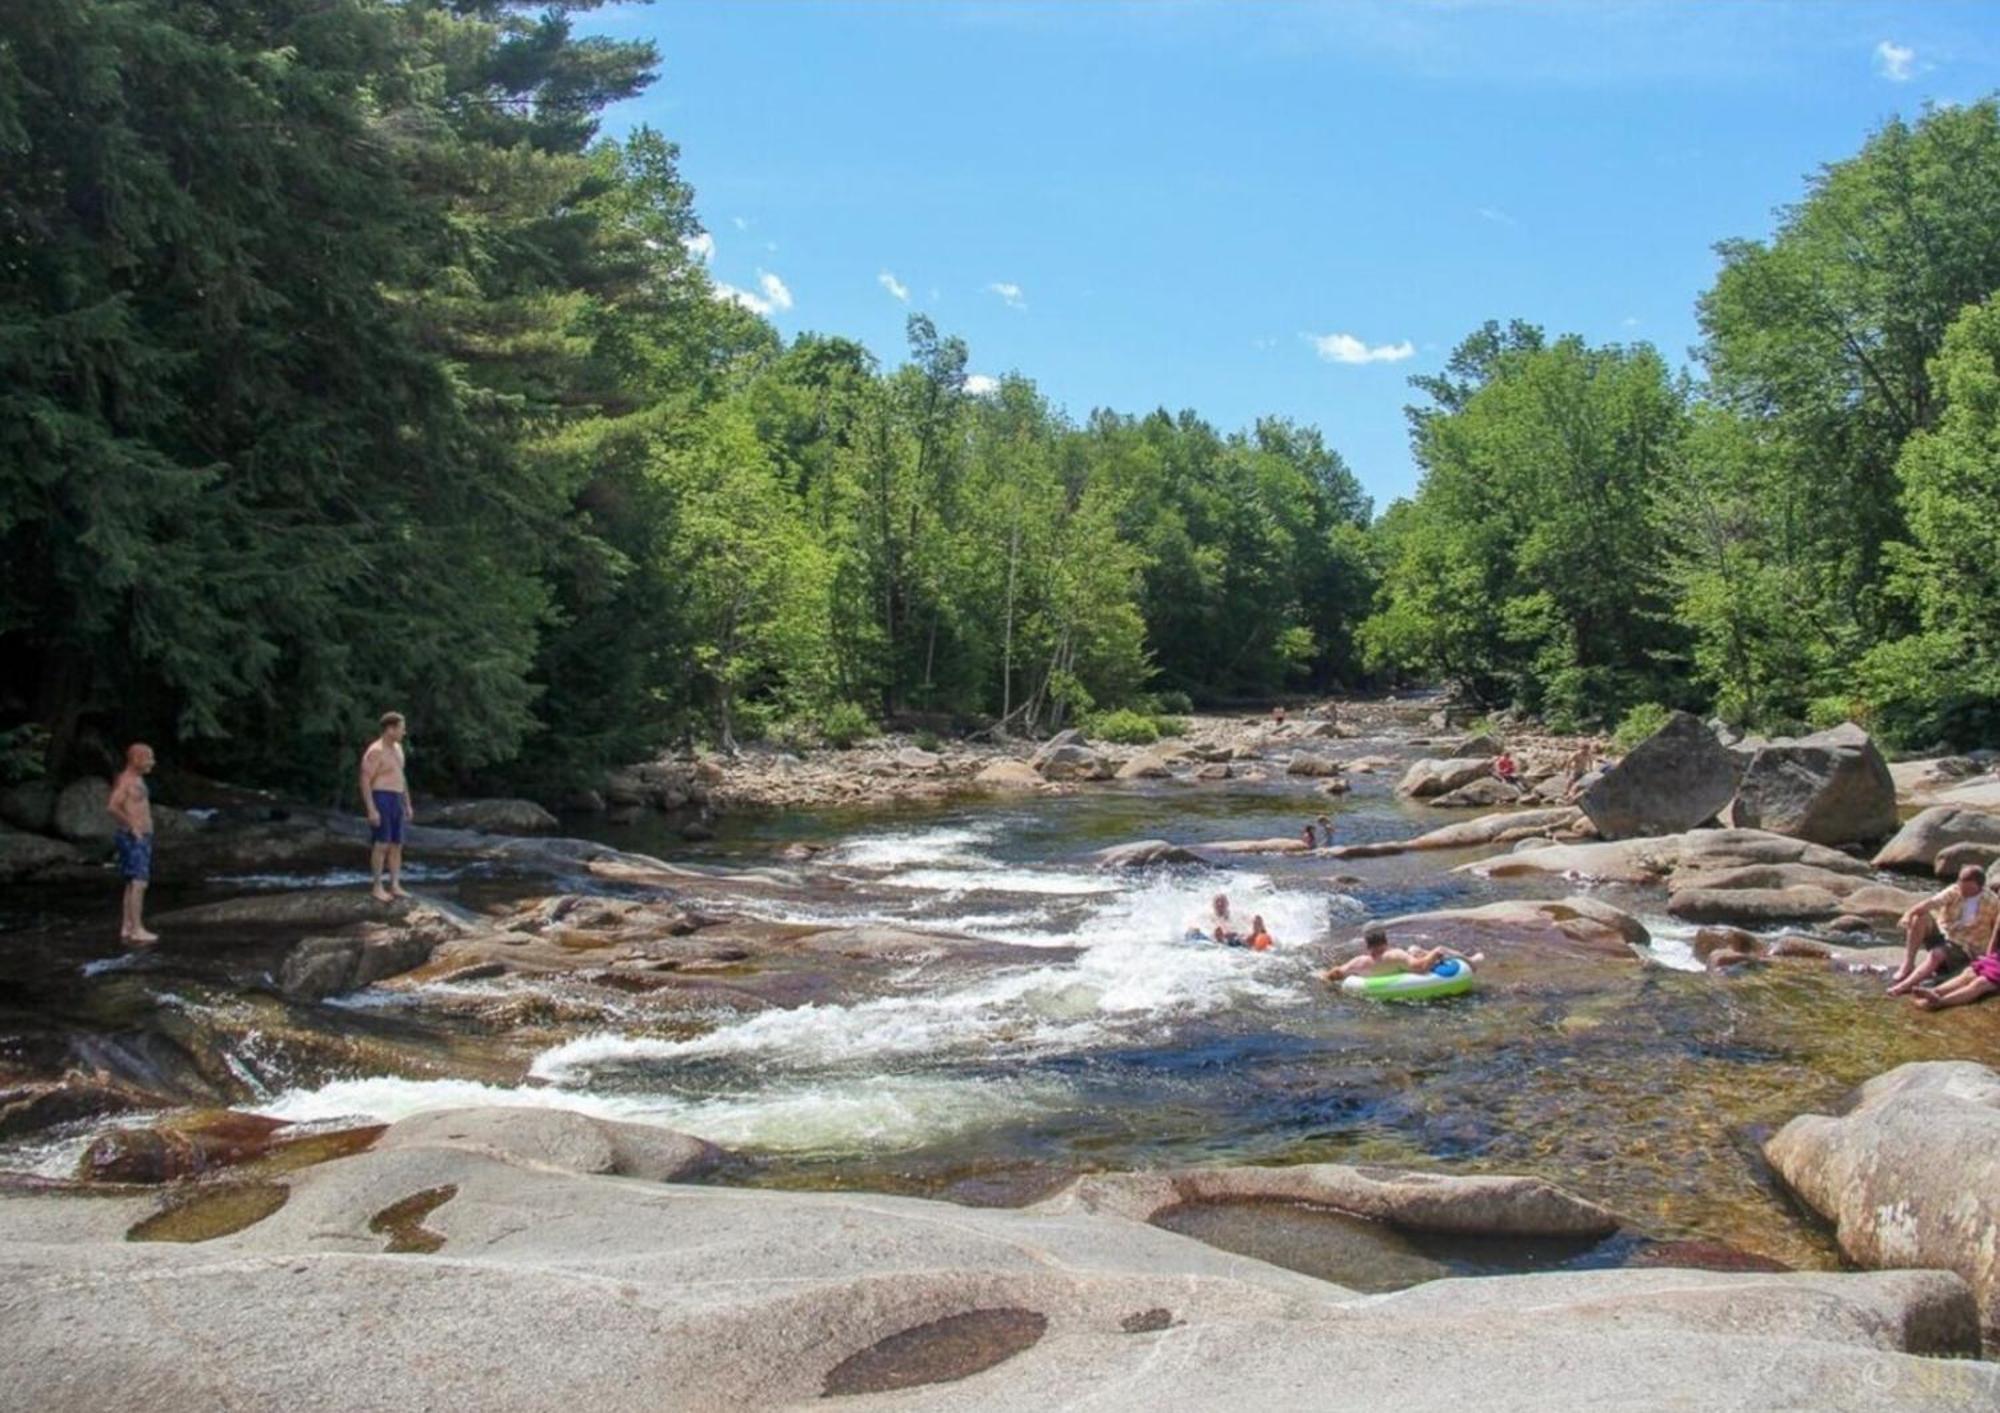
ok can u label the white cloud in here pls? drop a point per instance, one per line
(979, 384)
(1630, 321)
(774, 290)
(1345, 348)
(896, 287)
(730, 294)
(1495, 215)
(742, 223)
(701, 247)
(1010, 294)
(1895, 62)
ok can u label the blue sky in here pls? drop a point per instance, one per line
(1250, 209)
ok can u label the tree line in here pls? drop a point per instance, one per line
(344, 364)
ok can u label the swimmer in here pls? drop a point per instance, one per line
(1379, 956)
(1260, 936)
(1216, 925)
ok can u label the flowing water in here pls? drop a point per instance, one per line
(1645, 1085)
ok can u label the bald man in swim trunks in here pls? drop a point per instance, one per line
(132, 806)
(385, 791)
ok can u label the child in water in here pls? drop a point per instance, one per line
(1260, 936)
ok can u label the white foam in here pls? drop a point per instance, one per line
(1673, 944)
(886, 1112)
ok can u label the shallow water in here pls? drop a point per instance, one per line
(1645, 1087)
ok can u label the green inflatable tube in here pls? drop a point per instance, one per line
(1452, 978)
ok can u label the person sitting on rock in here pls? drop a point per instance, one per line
(1506, 770)
(1216, 925)
(1978, 981)
(1950, 927)
(1377, 956)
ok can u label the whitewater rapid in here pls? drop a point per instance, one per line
(907, 1069)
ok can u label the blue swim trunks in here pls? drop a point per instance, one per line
(135, 856)
(389, 808)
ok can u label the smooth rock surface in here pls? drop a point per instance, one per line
(552, 1290)
(1008, 775)
(1915, 847)
(23, 855)
(80, 816)
(1910, 1175)
(1145, 853)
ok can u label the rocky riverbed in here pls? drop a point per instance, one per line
(974, 995)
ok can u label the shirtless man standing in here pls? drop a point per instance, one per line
(132, 807)
(386, 793)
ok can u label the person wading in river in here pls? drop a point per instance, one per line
(386, 795)
(132, 806)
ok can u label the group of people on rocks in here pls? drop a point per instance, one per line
(385, 795)
(1951, 945)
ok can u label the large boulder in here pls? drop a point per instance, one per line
(1483, 746)
(1918, 843)
(1487, 792)
(1831, 788)
(1505, 827)
(1607, 861)
(1071, 762)
(1145, 853)
(1311, 765)
(1908, 1175)
(919, 759)
(493, 816)
(30, 805)
(24, 855)
(1008, 775)
(1426, 778)
(1144, 766)
(1675, 779)
(80, 815)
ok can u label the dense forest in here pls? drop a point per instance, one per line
(345, 364)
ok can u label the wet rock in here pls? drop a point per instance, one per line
(1615, 861)
(24, 855)
(1921, 779)
(1144, 766)
(1917, 844)
(1071, 762)
(1214, 770)
(1753, 906)
(1709, 940)
(558, 1138)
(1488, 792)
(80, 816)
(585, 802)
(1008, 775)
(1410, 1201)
(937, 1351)
(1336, 786)
(493, 816)
(1702, 1256)
(1427, 778)
(1311, 766)
(1370, 765)
(1954, 858)
(319, 967)
(29, 1105)
(1483, 746)
(1849, 922)
(1907, 1174)
(1675, 779)
(185, 1146)
(1145, 853)
(1278, 844)
(312, 907)
(1505, 827)
(30, 805)
(1831, 788)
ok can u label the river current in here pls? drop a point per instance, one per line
(1647, 1085)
